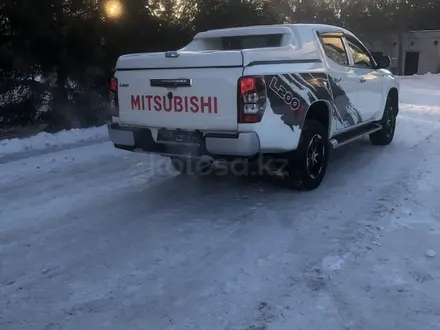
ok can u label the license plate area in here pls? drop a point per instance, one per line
(179, 137)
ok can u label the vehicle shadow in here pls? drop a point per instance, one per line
(223, 193)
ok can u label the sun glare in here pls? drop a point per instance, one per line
(113, 8)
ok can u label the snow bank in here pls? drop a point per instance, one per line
(45, 140)
(426, 76)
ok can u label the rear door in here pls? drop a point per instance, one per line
(369, 80)
(343, 82)
(188, 90)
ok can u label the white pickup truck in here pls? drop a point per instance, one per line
(289, 92)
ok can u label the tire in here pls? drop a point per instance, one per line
(190, 166)
(308, 164)
(386, 134)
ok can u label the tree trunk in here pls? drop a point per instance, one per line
(60, 102)
(400, 56)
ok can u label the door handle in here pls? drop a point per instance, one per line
(337, 79)
(362, 80)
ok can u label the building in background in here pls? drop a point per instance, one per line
(421, 51)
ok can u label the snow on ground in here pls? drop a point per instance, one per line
(45, 140)
(97, 238)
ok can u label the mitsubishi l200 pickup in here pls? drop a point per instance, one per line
(291, 92)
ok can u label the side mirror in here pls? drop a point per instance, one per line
(383, 62)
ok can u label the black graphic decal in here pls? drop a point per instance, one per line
(291, 95)
(318, 83)
(304, 86)
(294, 81)
(323, 91)
(346, 113)
(285, 95)
(285, 102)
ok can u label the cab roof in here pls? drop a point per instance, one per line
(270, 29)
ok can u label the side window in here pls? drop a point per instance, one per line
(361, 58)
(335, 50)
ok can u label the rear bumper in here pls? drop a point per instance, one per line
(242, 144)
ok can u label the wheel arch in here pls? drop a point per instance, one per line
(393, 93)
(320, 111)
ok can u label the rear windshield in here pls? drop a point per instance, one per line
(251, 41)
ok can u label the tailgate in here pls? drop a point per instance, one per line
(192, 91)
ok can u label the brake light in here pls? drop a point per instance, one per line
(252, 99)
(247, 84)
(114, 85)
(114, 104)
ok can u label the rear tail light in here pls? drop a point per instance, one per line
(114, 84)
(252, 99)
(114, 104)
